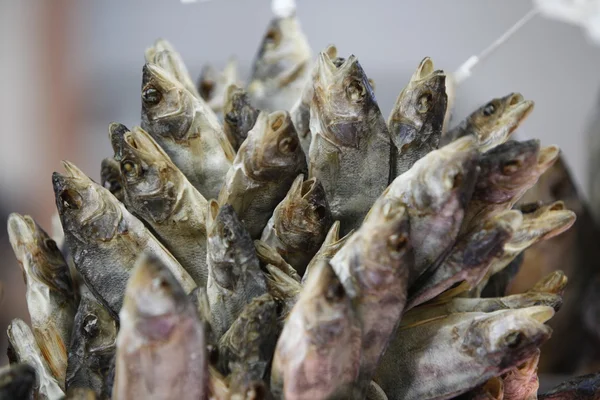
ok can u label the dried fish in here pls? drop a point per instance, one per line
(239, 115)
(50, 297)
(442, 358)
(320, 342)
(81, 394)
(299, 223)
(268, 255)
(494, 122)
(104, 238)
(160, 346)
(213, 84)
(187, 129)
(329, 248)
(110, 177)
(24, 349)
(416, 120)
(264, 169)
(17, 382)
(157, 192)
(350, 148)
(585, 387)
(234, 275)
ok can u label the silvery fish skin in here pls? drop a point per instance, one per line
(264, 169)
(373, 265)
(521, 382)
(157, 192)
(81, 394)
(160, 346)
(469, 259)
(436, 191)
(586, 387)
(445, 357)
(24, 348)
(104, 238)
(415, 123)
(494, 122)
(50, 297)
(234, 275)
(493, 389)
(299, 223)
(320, 342)
(300, 112)
(350, 148)
(246, 349)
(331, 245)
(239, 116)
(110, 177)
(281, 67)
(187, 129)
(17, 382)
(93, 345)
(164, 55)
(213, 84)
(506, 173)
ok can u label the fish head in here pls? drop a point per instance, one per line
(110, 177)
(207, 82)
(86, 209)
(274, 148)
(344, 101)
(229, 244)
(151, 181)
(38, 254)
(495, 121)
(153, 298)
(239, 114)
(541, 223)
(554, 282)
(167, 107)
(508, 337)
(422, 104)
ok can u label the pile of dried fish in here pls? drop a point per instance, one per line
(284, 241)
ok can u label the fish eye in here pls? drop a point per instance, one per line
(151, 96)
(90, 325)
(321, 212)
(129, 168)
(288, 145)
(424, 103)
(396, 243)
(231, 118)
(356, 91)
(227, 233)
(489, 109)
(335, 292)
(514, 339)
(70, 199)
(511, 167)
(51, 245)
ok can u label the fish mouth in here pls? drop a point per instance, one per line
(426, 71)
(116, 134)
(67, 187)
(547, 157)
(325, 67)
(553, 283)
(278, 122)
(555, 222)
(517, 109)
(541, 314)
(21, 229)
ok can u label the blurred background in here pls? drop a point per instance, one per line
(71, 67)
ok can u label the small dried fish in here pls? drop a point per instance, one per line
(239, 115)
(350, 145)
(442, 358)
(299, 223)
(157, 192)
(110, 177)
(494, 122)
(187, 129)
(585, 387)
(234, 275)
(329, 248)
(50, 297)
(264, 169)
(416, 120)
(281, 67)
(436, 191)
(17, 382)
(373, 265)
(213, 84)
(160, 346)
(320, 341)
(92, 347)
(104, 238)
(521, 382)
(24, 349)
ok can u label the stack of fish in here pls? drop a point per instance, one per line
(283, 241)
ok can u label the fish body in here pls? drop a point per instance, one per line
(17, 382)
(318, 351)
(161, 350)
(350, 147)
(281, 66)
(264, 169)
(299, 223)
(104, 238)
(24, 349)
(234, 275)
(50, 296)
(157, 192)
(239, 116)
(213, 84)
(442, 358)
(187, 129)
(110, 177)
(415, 123)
